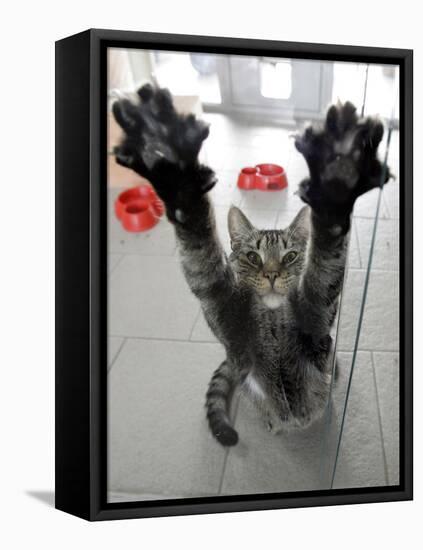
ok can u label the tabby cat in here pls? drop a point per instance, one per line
(273, 301)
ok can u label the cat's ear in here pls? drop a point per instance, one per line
(300, 226)
(238, 224)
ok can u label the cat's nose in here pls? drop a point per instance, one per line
(272, 276)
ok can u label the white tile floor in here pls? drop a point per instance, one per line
(162, 353)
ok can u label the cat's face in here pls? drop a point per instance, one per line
(268, 262)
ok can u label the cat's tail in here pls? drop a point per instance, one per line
(217, 403)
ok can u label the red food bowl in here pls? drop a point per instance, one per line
(247, 178)
(139, 216)
(131, 208)
(266, 177)
(144, 192)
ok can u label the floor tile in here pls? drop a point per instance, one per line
(297, 168)
(158, 241)
(215, 155)
(225, 129)
(201, 331)
(159, 441)
(361, 460)
(113, 260)
(148, 297)
(266, 463)
(270, 140)
(233, 146)
(261, 218)
(238, 157)
(353, 257)
(386, 367)
(114, 344)
(291, 461)
(386, 249)
(366, 205)
(273, 200)
(393, 146)
(276, 132)
(285, 218)
(226, 191)
(391, 195)
(380, 327)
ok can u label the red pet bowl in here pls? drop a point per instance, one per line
(266, 177)
(247, 178)
(144, 192)
(139, 216)
(131, 208)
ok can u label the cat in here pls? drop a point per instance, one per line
(273, 301)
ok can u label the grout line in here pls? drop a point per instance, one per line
(194, 323)
(143, 254)
(216, 342)
(361, 217)
(367, 350)
(158, 339)
(117, 263)
(117, 355)
(379, 419)
(373, 270)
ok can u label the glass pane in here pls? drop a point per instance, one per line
(162, 351)
(366, 446)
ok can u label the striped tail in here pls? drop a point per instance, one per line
(217, 403)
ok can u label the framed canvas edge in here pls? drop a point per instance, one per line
(98, 509)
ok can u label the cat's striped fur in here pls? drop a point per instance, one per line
(281, 354)
(272, 303)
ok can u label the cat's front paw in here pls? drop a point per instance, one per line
(342, 160)
(162, 145)
(155, 131)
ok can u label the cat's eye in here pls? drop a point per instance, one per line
(254, 258)
(290, 257)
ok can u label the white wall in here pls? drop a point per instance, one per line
(27, 301)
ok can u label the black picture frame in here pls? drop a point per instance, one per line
(81, 273)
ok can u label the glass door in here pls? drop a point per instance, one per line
(282, 89)
(162, 352)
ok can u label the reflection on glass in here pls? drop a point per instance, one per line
(162, 352)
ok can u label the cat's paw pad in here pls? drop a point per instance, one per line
(156, 131)
(342, 157)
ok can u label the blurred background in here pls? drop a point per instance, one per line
(161, 352)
